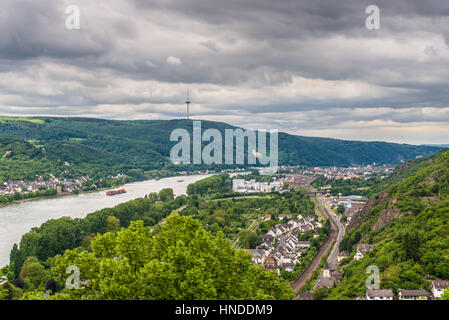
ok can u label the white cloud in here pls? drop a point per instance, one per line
(174, 61)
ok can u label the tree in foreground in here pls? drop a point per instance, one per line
(183, 261)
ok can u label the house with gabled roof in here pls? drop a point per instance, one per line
(303, 244)
(258, 256)
(413, 294)
(265, 246)
(267, 238)
(438, 287)
(363, 249)
(379, 294)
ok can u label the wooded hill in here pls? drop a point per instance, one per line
(98, 147)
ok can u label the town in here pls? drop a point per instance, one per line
(350, 172)
(280, 247)
(61, 185)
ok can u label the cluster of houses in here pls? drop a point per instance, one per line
(19, 186)
(437, 290)
(280, 247)
(351, 172)
(240, 185)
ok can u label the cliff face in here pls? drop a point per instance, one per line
(360, 216)
(385, 217)
(385, 202)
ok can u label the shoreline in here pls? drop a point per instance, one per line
(54, 196)
(19, 219)
(65, 194)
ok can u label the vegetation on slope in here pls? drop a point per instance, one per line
(409, 222)
(106, 147)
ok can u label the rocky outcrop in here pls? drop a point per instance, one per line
(390, 213)
(359, 217)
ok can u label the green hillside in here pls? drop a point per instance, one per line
(409, 223)
(102, 147)
(19, 159)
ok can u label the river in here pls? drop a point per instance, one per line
(18, 218)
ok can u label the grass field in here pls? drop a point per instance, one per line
(5, 119)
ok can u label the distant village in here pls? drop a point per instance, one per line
(62, 185)
(350, 172)
(280, 247)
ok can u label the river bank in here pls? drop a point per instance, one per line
(42, 197)
(17, 219)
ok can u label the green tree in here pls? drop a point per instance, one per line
(3, 294)
(85, 242)
(248, 239)
(112, 224)
(17, 259)
(153, 197)
(341, 209)
(33, 273)
(412, 245)
(184, 261)
(166, 194)
(445, 295)
(320, 294)
(10, 292)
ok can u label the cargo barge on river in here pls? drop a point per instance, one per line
(115, 192)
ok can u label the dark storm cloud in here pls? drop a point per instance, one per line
(33, 29)
(283, 63)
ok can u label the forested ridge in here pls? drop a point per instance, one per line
(79, 146)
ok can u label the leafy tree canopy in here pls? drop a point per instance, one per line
(184, 261)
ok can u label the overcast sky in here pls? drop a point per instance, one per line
(301, 66)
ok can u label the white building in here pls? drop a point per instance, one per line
(240, 185)
(363, 249)
(438, 287)
(358, 255)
